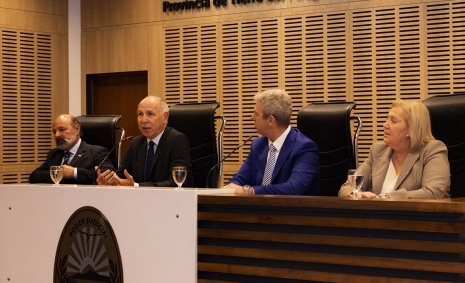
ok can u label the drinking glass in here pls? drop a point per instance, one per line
(355, 181)
(56, 173)
(179, 176)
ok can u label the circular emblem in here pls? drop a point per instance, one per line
(88, 250)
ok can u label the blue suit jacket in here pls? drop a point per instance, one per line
(296, 172)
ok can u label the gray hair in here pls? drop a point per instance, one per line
(164, 106)
(75, 121)
(276, 102)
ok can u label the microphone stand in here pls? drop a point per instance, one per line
(125, 139)
(216, 165)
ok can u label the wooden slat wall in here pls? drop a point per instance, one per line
(371, 52)
(324, 239)
(33, 82)
(27, 97)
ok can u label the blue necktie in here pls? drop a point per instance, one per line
(66, 159)
(148, 161)
(269, 166)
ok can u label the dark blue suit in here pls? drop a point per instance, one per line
(172, 150)
(296, 172)
(86, 158)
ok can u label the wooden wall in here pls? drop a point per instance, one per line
(371, 52)
(34, 82)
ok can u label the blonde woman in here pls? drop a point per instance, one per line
(409, 163)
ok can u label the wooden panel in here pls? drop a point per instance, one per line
(109, 50)
(245, 273)
(16, 174)
(337, 65)
(60, 86)
(410, 82)
(232, 83)
(104, 13)
(35, 15)
(431, 206)
(293, 63)
(323, 258)
(396, 244)
(326, 239)
(346, 222)
(173, 65)
(57, 7)
(26, 99)
(458, 49)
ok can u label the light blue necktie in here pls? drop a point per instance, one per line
(269, 166)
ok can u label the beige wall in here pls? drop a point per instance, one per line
(122, 36)
(34, 82)
(371, 52)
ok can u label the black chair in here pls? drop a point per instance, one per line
(197, 122)
(447, 116)
(328, 125)
(101, 130)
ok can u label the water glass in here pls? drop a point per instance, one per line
(56, 173)
(179, 176)
(355, 181)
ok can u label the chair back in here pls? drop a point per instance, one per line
(328, 125)
(197, 122)
(447, 115)
(101, 130)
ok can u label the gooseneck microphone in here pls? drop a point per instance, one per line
(125, 139)
(217, 164)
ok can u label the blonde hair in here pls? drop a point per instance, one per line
(276, 102)
(418, 122)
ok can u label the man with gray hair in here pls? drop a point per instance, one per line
(151, 156)
(283, 161)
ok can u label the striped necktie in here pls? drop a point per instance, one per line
(269, 166)
(66, 158)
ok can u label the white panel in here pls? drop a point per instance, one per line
(155, 245)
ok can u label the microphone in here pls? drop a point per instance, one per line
(125, 139)
(234, 150)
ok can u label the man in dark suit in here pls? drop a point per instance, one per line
(169, 148)
(283, 160)
(77, 158)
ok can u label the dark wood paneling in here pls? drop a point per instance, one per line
(326, 239)
(117, 94)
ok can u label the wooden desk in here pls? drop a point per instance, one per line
(326, 239)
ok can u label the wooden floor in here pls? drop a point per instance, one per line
(326, 239)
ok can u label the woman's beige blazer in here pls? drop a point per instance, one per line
(424, 175)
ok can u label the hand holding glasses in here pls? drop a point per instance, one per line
(355, 181)
(179, 176)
